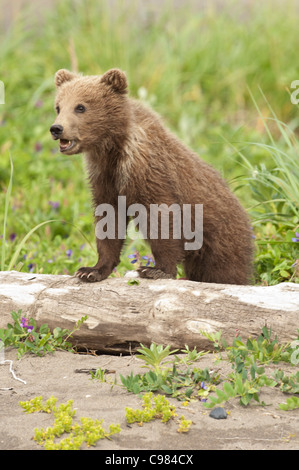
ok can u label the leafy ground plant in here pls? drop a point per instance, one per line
(156, 407)
(246, 381)
(179, 381)
(25, 337)
(288, 383)
(291, 404)
(248, 376)
(89, 432)
(263, 350)
(154, 355)
(238, 387)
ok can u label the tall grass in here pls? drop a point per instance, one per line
(6, 207)
(275, 188)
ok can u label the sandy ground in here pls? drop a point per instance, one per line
(254, 427)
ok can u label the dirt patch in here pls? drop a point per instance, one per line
(254, 427)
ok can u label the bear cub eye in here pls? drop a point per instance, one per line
(57, 109)
(80, 108)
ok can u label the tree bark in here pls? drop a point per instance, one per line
(168, 312)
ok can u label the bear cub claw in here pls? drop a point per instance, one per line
(89, 275)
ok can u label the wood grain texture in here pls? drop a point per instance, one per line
(121, 316)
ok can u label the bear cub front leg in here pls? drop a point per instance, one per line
(109, 253)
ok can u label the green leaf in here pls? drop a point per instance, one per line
(44, 340)
(167, 389)
(221, 395)
(245, 400)
(57, 332)
(229, 389)
(136, 388)
(239, 385)
(189, 391)
(44, 329)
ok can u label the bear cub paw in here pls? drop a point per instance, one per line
(89, 274)
(153, 273)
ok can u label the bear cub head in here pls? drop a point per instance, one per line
(91, 110)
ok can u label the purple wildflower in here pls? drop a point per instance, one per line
(12, 236)
(135, 257)
(203, 386)
(38, 104)
(54, 205)
(69, 253)
(149, 260)
(296, 240)
(252, 236)
(38, 147)
(31, 267)
(25, 324)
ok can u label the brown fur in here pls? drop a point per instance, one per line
(129, 152)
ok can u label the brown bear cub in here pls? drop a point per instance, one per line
(130, 153)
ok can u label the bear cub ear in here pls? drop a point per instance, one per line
(116, 79)
(62, 76)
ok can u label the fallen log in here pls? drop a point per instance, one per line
(168, 312)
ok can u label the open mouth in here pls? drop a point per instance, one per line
(65, 145)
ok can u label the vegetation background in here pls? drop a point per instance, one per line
(219, 72)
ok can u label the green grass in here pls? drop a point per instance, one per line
(221, 81)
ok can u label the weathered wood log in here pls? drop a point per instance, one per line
(174, 312)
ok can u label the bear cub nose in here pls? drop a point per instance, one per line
(56, 130)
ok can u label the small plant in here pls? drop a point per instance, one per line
(133, 282)
(288, 384)
(176, 381)
(24, 336)
(238, 387)
(99, 374)
(218, 341)
(248, 376)
(263, 349)
(89, 431)
(191, 356)
(184, 424)
(156, 407)
(154, 355)
(291, 404)
(36, 404)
